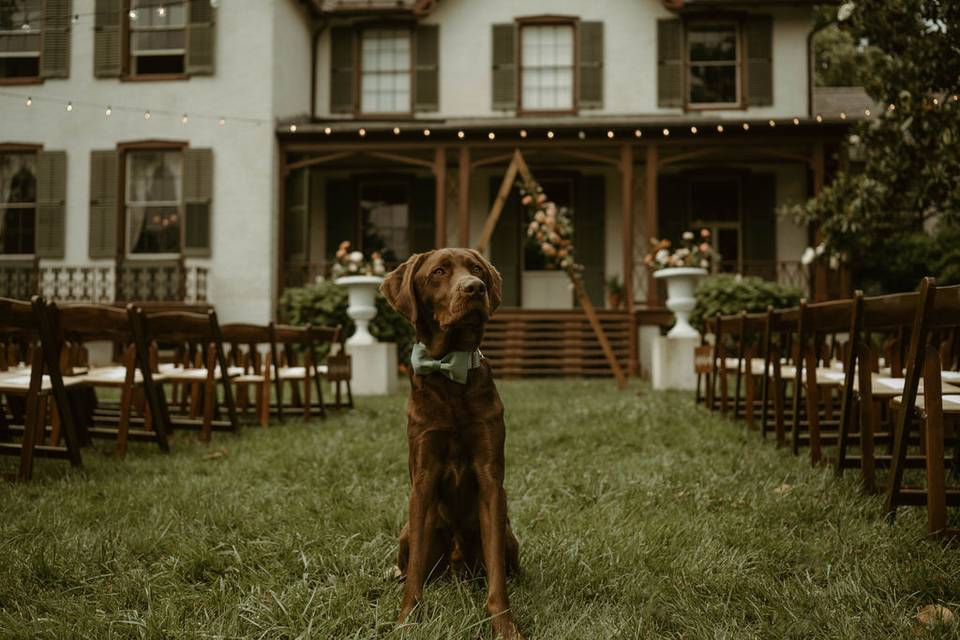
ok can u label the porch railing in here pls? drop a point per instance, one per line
(171, 281)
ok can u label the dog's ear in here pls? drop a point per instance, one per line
(398, 289)
(493, 277)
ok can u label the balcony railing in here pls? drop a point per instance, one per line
(168, 281)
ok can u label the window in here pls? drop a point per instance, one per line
(386, 64)
(154, 201)
(547, 67)
(20, 38)
(157, 37)
(18, 202)
(385, 216)
(715, 205)
(712, 65)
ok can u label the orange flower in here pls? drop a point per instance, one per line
(704, 233)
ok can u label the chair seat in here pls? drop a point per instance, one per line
(251, 378)
(951, 403)
(20, 382)
(111, 376)
(179, 374)
(893, 387)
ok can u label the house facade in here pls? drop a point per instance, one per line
(222, 149)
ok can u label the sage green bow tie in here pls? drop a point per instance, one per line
(455, 365)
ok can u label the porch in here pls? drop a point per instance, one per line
(400, 189)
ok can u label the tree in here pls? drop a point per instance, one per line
(889, 216)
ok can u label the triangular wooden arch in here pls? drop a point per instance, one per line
(519, 165)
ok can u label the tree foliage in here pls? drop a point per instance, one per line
(904, 191)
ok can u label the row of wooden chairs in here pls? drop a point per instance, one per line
(170, 370)
(866, 383)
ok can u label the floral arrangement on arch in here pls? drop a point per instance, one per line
(692, 252)
(550, 228)
(353, 263)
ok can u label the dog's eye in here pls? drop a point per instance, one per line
(438, 271)
(476, 269)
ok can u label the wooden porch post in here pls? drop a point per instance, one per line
(440, 178)
(818, 165)
(650, 211)
(281, 216)
(626, 203)
(463, 198)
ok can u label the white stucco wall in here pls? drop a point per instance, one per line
(630, 59)
(259, 74)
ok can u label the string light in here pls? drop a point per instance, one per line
(773, 123)
(610, 134)
(146, 115)
(108, 112)
(719, 128)
(638, 133)
(76, 18)
(796, 121)
(184, 119)
(523, 133)
(892, 107)
(935, 102)
(396, 131)
(362, 132)
(819, 118)
(28, 101)
(550, 134)
(956, 98)
(843, 115)
(693, 130)
(746, 126)
(69, 106)
(491, 135)
(327, 130)
(582, 134)
(460, 134)
(666, 132)
(293, 128)
(222, 122)
(161, 11)
(133, 14)
(426, 132)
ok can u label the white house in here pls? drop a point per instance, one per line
(218, 150)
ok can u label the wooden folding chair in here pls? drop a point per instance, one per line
(938, 308)
(35, 382)
(726, 363)
(302, 354)
(74, 327)
(200, 364)
(780, 371)
(254, 350)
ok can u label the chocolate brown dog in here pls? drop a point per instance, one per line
(455, 431)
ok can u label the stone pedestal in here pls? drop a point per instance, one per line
(673, 363)
(374, 368)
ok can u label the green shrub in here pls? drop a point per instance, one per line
(326, 303)
(730, 294)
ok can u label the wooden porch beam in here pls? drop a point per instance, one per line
(396, 157)
(503, 157)
(626, 204)
(312, 162)
(440, 199)
(650, 211)
(463, 198)
(589, 157)
(818, 165)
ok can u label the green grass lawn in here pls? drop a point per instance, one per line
(638, 517)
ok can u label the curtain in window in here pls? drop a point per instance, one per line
(547, 67)
(154, 194)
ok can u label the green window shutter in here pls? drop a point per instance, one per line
(104, 167)
(51, 203)
(591, 66)
(296, 219)
(504, 66)
(588, 235)
(342, 69)
(108, 39)
(200, 38)
(341, 213)
(422, 218)
(758, 47)
(670, 65)
(427, 67)
(197, 197)
(55, 57)
(506, 244)
(760, 225)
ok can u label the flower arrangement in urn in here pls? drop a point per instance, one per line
(353, 263)
(693, 252)
(550, 228)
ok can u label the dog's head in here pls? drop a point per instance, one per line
(447, 294)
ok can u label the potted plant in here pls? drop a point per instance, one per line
(681, 269)
(614, 292)
(362, 279)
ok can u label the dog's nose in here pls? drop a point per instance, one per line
(474, 287)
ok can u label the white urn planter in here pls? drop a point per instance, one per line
(681, 281)
(362, 308)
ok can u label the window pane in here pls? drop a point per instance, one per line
(712, 44)
(17, 233)
(547, 67)
(153, 195)
(385, 212)
(715, 201)
(154, 229)
(21, 15)
(713, 84)
(18, 177)
(151, 13)
(385, 71)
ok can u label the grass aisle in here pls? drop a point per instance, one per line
(638, 517)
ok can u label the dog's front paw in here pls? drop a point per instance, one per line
(505, 629)
(407, 608)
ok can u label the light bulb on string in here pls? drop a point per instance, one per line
(523, 133)
(25, 26)
(146, 115)
(666, 132)
(460, 134)
(693, 130)
(426, 132)
(719, 128)
(637, 133)
(773, 123)
(161, 11)
(327, 130)
(746, 126)
(610, 134)
(293, 128)
(550, 134)
(133, 14)
(108, 111)
(184, 119)
(69, 106)
(28, 102)
(843, 115)
(362, 132)
(582, 135)
(222, 122)
(796, 121)
(491, 135)
(396, 131)
(819, 118)
(75, 19)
